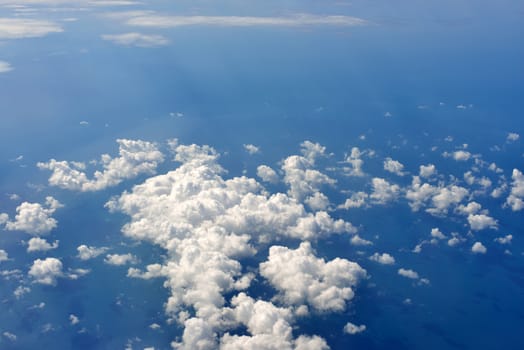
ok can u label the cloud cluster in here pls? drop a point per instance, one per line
(439, 199)
(384, 258)
(33, 218)
(136, 39)
(516, 197)
(136, 157)
(209, 224)
(5, 67)
(20, 28)
(37, 244)
(394, 166)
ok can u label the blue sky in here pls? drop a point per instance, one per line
(248, 174)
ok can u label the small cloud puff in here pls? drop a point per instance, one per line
(352, 329)
(267, 174)
(512, 137)
(478, 248)
(394, 166)
(85, 252)
(3, 255)
(120, 259)
(5, 67)
(46, 271)
(136, 39)
(384, 258)
(504, 240)
(251, 149)
(37, 244)
(408, 273)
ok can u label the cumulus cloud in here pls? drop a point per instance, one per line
(354, 159)
(384, 258)
(120, 259)
(383, 192)
(408, 273)
(10, 336)
(357, 200)
(159, 21)
(356, 240)
(516, 197)
(251, 149)
(20, 28)
(394, 166)
(3, 255)
(504, 240)
(208, 224)
(479, 248)
(267, 174)
(136, 39)
(136, 157)
(73, 319)
(427, 171)
(33, 218)
(46, 271)
(436, 233)
(351, 328)
(439, 199)
(37, 244)
(301, 277)
(86, 252)
(5, 67)
(512, 137)
(479, 222)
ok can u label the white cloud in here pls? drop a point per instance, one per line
(120, 259)
(5, 67)
(37, 244)
(46, 271)
(207, 223)
(504, 240)
(384, 258)
(516, 196)
(461, 155)
(436, 233)
(33, 218)
(440, 197)
(479, 222)
(383, 191)
(512, 137)
(452, 242)
(73, 319)
(356, 200)
(19, 28)
(351, 328)
(394, 166)
(470, 208)
(251, 149)
(158, 21)
(356, 240)
(20, 291)
(86, 252)
(354, 159)
(136, 157)
(478, 248)
(11, 336)
(136, 39)
(427, 171)
(301, 277)
(267, 174)
(408, 273)
(3, 255)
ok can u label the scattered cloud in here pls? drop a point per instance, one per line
(136, 157)
(504, 240)
(516, 197)
(384, 258)
(3, 255)
(479, 248)
(479, 222)
(267, 174)
(383, 191)
(427, 171)
(37, 244)
(512, 137)
(251, 149)
(33, 218)
(5, 67)
(352, 329)
(86, 252)
(20, 28)
(408, 273)
(73, 319)
(120, 259)
(46, 271)
(394, 166)
(136, 39)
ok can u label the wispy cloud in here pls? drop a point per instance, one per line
(5, 67)
(19, 28)
(158, 21)
(136, 39)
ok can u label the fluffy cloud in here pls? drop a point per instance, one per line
(354, 159)
(356, 200)
(46, 271)
(504, 240)
(479, 222)
(460, 155)
(85, 252)
(136, 157)
(251, 149)
(408, 273)
(19, 28)
(436, 233)
(5, 67)
(516, 197)
(439, 199)
(136, 39)
(267, 174)
(120, 259)
(479, 248)
(301, 277)
(37, 244)
(209, 224)
(394, 166)
(427, 170)
(351, 328)
(33, 218)
(383, 191)
(384, 258)
(158, 21)
(3, 255)
(512, 137)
